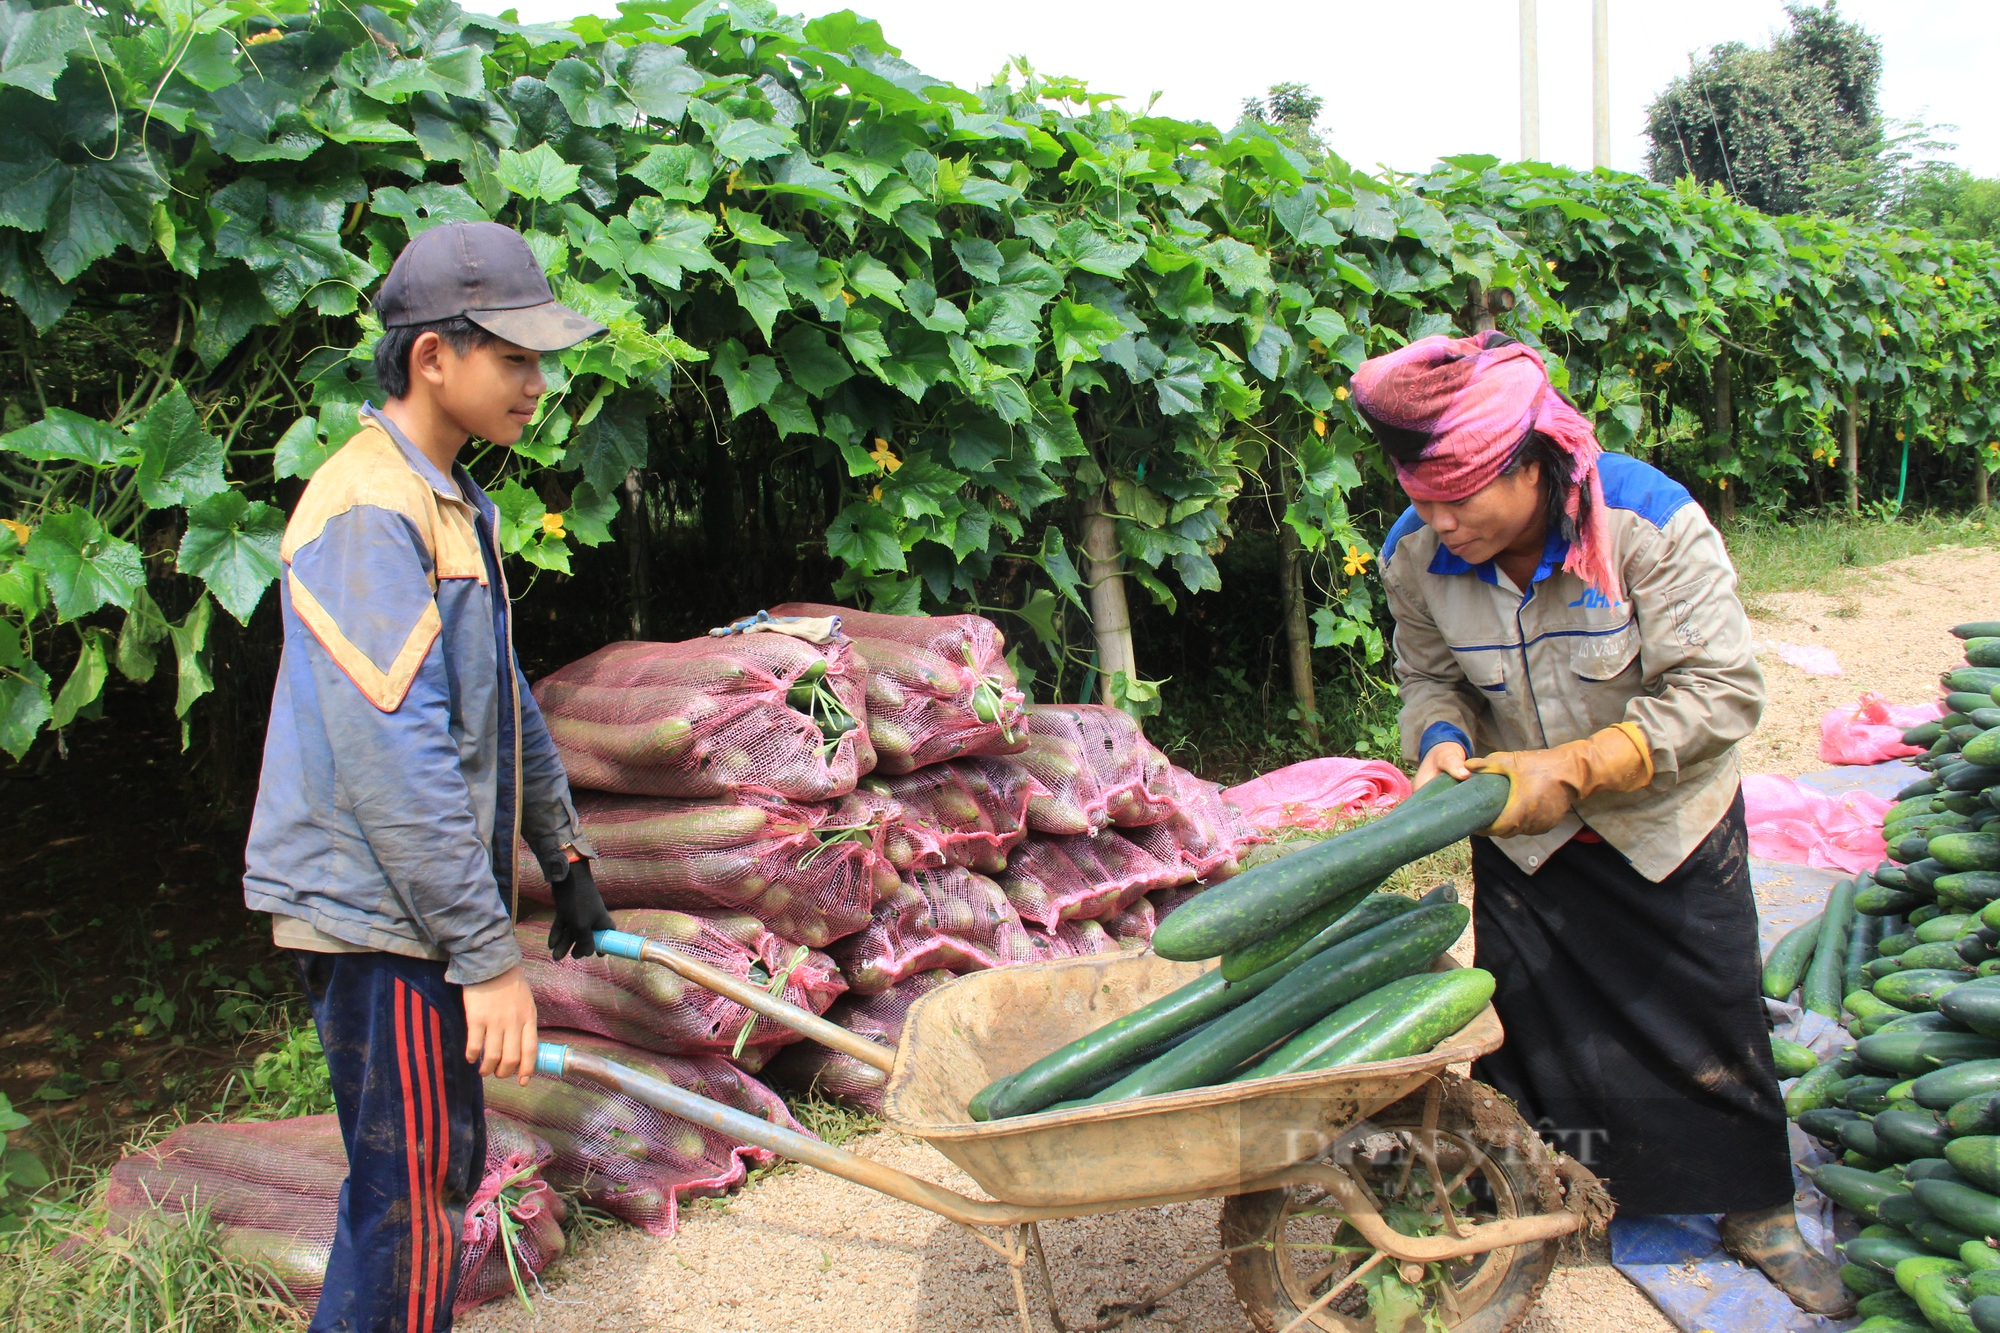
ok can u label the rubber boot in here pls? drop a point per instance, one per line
(1769, 1238)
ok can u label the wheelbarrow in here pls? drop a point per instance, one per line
(1342, 1188)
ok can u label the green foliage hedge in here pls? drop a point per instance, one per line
(971, 312)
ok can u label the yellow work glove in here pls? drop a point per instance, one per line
(1546, 784)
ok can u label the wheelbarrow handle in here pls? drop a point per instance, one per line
(623, 944)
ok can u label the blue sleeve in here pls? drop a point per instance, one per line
(1439, 732)
(548, 817)
(363, 589)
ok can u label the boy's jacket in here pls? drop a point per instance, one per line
(404, 749)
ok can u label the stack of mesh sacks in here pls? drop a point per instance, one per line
(854, 823)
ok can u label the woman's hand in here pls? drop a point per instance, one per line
(1446, 757)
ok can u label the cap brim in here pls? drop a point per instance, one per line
(548, 327)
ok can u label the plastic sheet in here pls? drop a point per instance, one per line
(1792, 822)
(1809, 658)
(1318, 793)
(650, 1007)
(811, 1067)
(708, 717)
(1871, 731)
(939, 687)
(951, 918)
(808, 871)
(273, 1190)
(627, 1158)
(1097, 768)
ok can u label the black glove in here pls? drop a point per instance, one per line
(580, 913)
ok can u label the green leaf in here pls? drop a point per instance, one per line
(85, 683)
(24, 706)
(1080, 245)
(677, 171)
(1079, 330)
(750, 228)
(863, 537)
(301, 451)
(86, 567)
(104, 203)
(537, 174)
(760, 290)
(869, 276)
(26, 280)
(35, 44)
(229, 304)
(589, 515)
(1055, 562)
(66, 436)
(749, 380)
(659, 80)
(190, 638)
(232, 546)
(751, 141)
(791, 412)
(612, 443)
(422, 207)
(585, 95)
(812, 362)
(1241, 268)
(179, 462)
(144, 627)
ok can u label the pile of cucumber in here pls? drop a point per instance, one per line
(1911, 955)
(1318, 970)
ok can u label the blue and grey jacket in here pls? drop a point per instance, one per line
(1496, 667)
(404, 751)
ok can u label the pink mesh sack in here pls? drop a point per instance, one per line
(1049, 880)
(648, 1006)
(1097, 768)
(273, 1190)
(1072, 939)
(753, 712)
(813, 1068)
(1209, 831)
(950, 918)
(627, 1158)
(1132, 929)
(939, 687)
(970, 813)
(1165, 901)
(809, 872)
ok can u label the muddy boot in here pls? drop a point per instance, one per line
(1769, 1238)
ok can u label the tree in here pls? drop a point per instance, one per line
(1950, 201)
(1772, 124)
(1292, 111)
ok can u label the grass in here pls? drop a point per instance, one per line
(1832, 554)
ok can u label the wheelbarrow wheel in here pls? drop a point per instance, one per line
(1495, 1167)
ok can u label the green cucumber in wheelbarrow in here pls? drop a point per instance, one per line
(1423, 1012)
(1789, 957)
(1341, 919)
(1266, 899)
(1314, 989)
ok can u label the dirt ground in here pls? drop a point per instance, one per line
(809, 1253)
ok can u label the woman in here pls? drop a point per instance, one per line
(1569, 618)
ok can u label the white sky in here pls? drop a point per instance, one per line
(1406, 83)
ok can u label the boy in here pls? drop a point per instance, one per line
(404, 756)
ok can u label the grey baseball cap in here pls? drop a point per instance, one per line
(485, 272)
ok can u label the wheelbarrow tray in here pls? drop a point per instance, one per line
(1211, 1140)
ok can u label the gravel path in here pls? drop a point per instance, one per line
(809, 1253)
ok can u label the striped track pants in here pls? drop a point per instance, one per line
(412, 1117)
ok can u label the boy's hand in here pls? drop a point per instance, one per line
(1446, 757)
(500, 1034)
(580, 913)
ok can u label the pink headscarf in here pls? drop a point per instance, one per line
(1458, 408)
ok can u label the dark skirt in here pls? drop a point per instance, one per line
(1636, 1036)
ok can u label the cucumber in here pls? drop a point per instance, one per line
(1972, 777)
(1939, 1236)
(1971, 679)
(1970, 1210)
(1943, 1089)
(1446, 892)
(1945, 1305)
(1882, 967)
(1940, 929)
(1864, 1003)
(1924, 733)
(1789, 957)
(1343, 918)
(1901, 1210)
(1908, 809)
(1410, 1023)
(1824, 1122)
(1308, 993)
(1867, 1095)
(1977, 1158)
(1968, 890)
(1989, 915)
(1937, 957)
(1924, 913)
(1342, 1023)
(1917, 988)
(1914, 1053)
(1975, 1007)
(1863, 1162)
(1811, 1092)
(1904, 1136)
(1922, 876)
(1930, 1021)
(1932, 1168)
(1983, 748)
(1881, 1253)
(1977, 1114)
(1981, 1258)
(1792, 1059)
(1873, 1023)
(1921, 787)
(1860, 951)
(1889, 874)
(1269, 897)
(1863, 1281)
(1821, 990)
(1880, 900)
(1062, 1073)
(1911, 1271)
(1985, 1313)
(1892, 1305)
(1910, 847)
(1857, 1191)
(1977, 629)
(1967, 851)
(1889, 946)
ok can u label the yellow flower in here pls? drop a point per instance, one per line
(1723, 482)
(20, 530)
(1357, 561)
(552, 526)
(1319, 425)
(1899, 436)
(1549, 264)
(884, 459)
(1662, 367)
(876, 495)
(269, 35)
(1316, 344)
(1340, 393)
(847, 296)
(1939, 279)
(729, 187)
